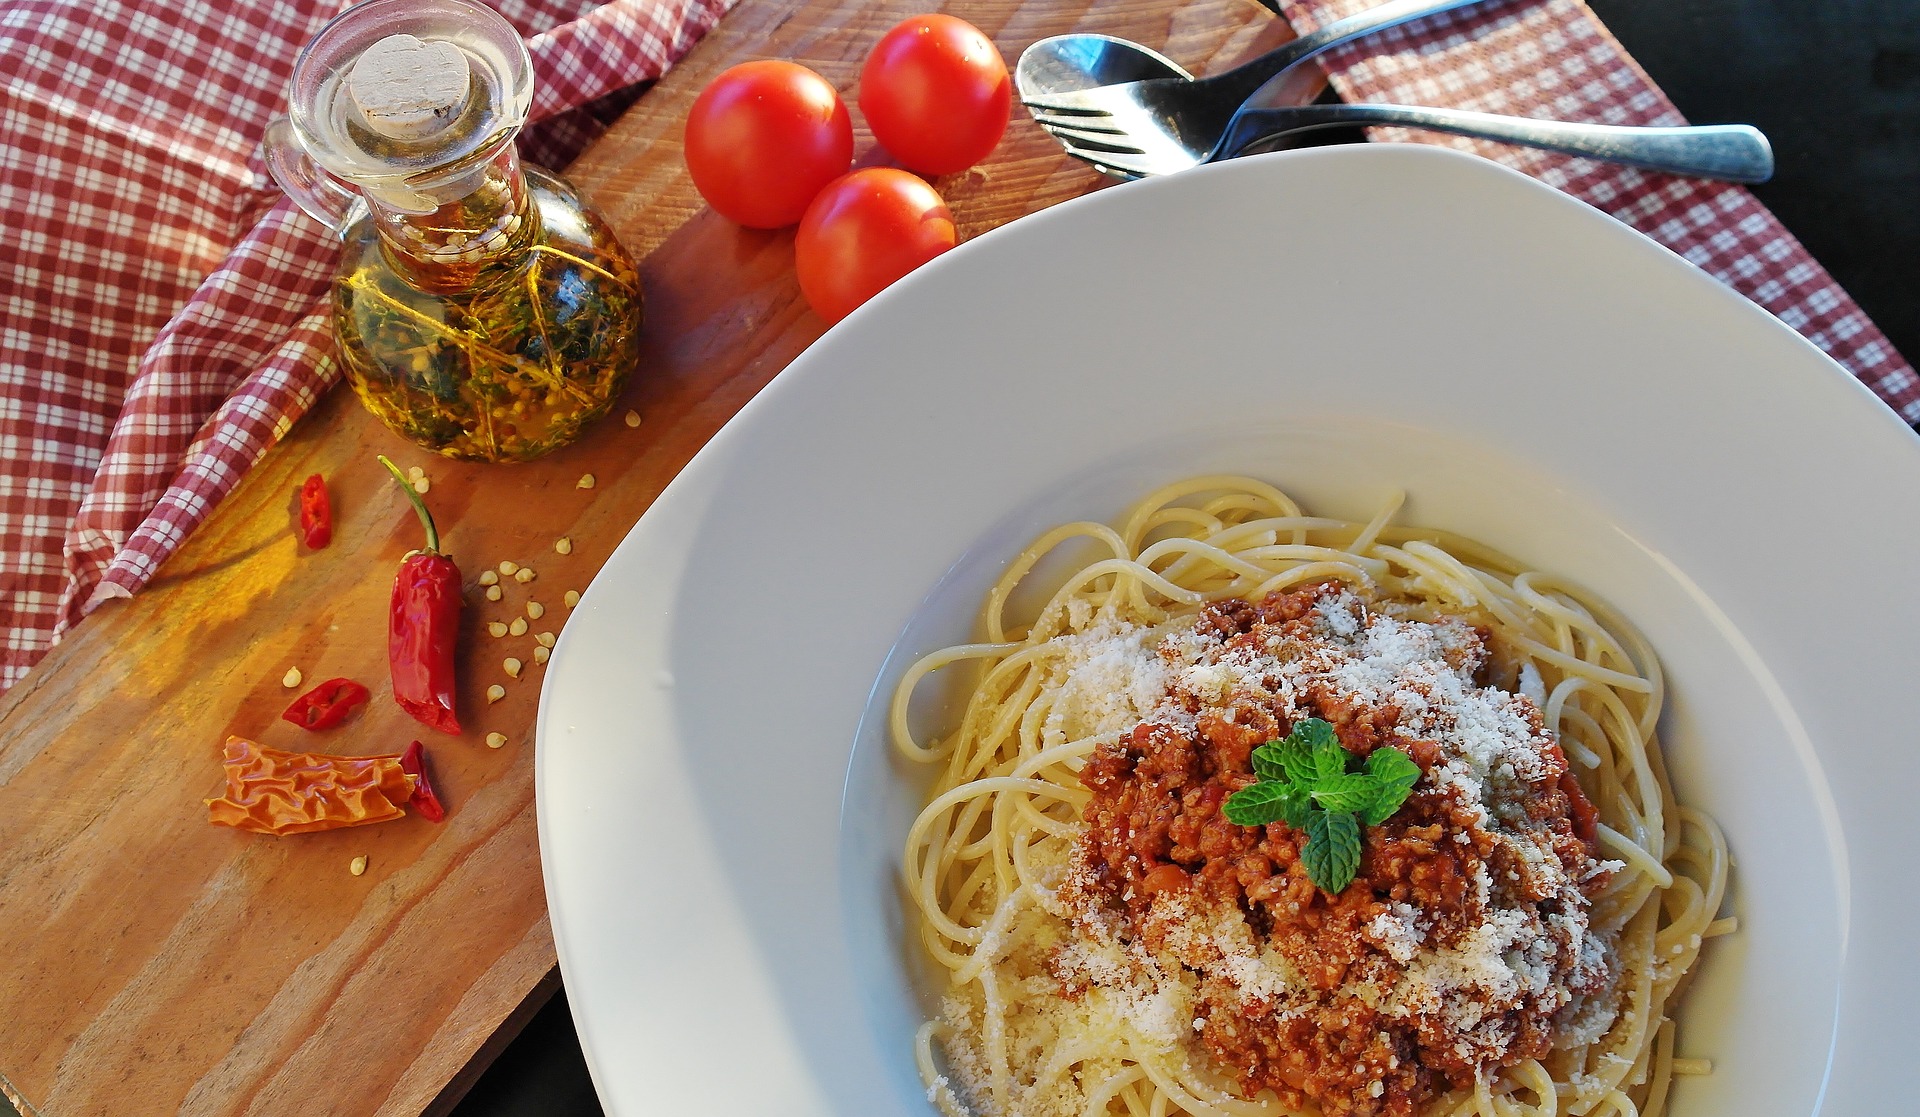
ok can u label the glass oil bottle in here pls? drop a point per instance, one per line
(482, 308)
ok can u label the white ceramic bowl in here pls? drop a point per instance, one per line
(719, 812)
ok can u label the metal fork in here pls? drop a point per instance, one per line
(1190, 116)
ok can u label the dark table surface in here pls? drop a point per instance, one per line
(1836, 87)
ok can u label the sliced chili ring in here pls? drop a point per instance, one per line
(316, 512)
(326, 705)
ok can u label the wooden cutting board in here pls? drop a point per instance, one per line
(157, 964)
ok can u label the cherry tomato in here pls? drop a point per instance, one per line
(936, 92)
(864, 231)
(763, 138)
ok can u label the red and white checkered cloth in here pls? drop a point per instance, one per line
(161, 317)
(161, 302)
(1554, 58)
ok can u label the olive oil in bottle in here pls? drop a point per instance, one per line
(483, 310)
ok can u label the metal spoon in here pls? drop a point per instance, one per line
(1098, 83)
(1086, 61)
(1070, 62)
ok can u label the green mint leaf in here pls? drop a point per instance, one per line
(1269, 763)
(1295, 755)
(1256, 805)
(1329, 759)
(1332, 852)
(1295, 806)
(1381, 808)
(1311, 733)
(1357, 792)
(1269, 801)
(1391, 765)
(1396, 773)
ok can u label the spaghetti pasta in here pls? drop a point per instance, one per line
(1084, 974)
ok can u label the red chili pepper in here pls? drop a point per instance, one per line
(414, 763)
(316, 513)
(423, 622)
(273, 792)
(326, 705)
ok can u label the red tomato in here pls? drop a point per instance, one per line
(864, 231)
(936, 92)
(763, 138)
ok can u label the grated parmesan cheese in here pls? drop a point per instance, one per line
(1104, 680)
(1097, 976)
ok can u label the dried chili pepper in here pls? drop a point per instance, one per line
(274, 792)
(326, 705)
(423, 622)
(414, 763)
(316, 513)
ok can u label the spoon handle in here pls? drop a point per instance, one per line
(1733, 152)
(1240, 82)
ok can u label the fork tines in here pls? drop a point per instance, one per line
(1073, 101)
(1078, 124)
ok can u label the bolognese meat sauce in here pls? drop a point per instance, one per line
(1462, 941)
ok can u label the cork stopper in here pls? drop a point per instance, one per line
(408, 88)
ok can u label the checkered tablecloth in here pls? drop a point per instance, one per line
(1554, 58)
(160, 301)
(161, 317)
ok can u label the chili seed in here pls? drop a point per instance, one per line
(563, 545)
(496, 628)
(493, 593)
(291, 679)
(633, 418)
(513, 667)
(571, 597)
(495, 740)
(518, 627)
(541, 653)
(536, 610)
(524, 574)
(507, 567)
(585, 481)
(546, 639)
(358, 865)
(495, 693)
(488, 578)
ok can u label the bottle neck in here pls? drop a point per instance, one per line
(482, 226)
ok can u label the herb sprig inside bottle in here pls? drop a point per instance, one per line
(1305, 783)
(483, 308)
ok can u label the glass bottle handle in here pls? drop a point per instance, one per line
(325, 200)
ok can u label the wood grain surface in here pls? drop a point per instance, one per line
(157, 964)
